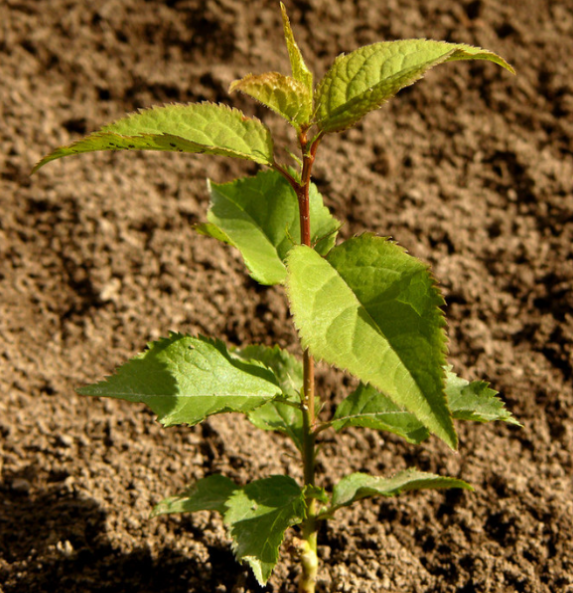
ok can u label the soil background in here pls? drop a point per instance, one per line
(471, 170)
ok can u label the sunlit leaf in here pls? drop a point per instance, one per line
(475, 401)
(299, 69)
(284, 95)
(185, 379)
(260, 217)
(366, 78)
(197, 127)
(373, 310)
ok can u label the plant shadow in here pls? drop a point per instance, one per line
(54, 540)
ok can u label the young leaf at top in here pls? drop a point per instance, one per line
(475, 401)
(258, 516)
(299, 69)
(369, 408)
(366, 78)
(259, 216)
(373, 310)
(284, 95)
(359, 485)
(197, 127)
(279, 415)
(208, 494)
(185, 379)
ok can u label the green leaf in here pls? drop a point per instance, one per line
(185, 379)
(366, 78)
(475, 401)
(259, 215)
(258, 516)
(208, 494)
(197, 127)
(369, 408)
(285, 367)
(284, 95)
(299, 70)
(373, 310)
(359, 485)
(276, 414)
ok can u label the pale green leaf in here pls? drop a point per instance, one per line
(284, 95)
(259, 215)
(299, 69)
(359, 485)
(369, 408)
(258, 516)
(373, 310)
(475, 401)
(366, 78)
(185, 379)
(208, 494)
(277, 415)
(197, 127)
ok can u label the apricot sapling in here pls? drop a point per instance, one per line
(363, 305)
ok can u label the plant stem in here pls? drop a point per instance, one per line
(309, 559)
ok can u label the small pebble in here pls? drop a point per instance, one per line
(21, 485)
(65, 548)
(66, 440)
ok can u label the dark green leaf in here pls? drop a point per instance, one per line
(278, 415)
(258, 516)
(359, 485)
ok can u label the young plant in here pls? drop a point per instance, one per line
(363, 305)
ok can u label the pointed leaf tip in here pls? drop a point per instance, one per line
(299, 69)
(475, 401)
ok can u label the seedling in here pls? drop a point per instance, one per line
(363, 305)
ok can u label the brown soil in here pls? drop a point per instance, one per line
(471, 170)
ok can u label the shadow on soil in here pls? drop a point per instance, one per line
(53, 541)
